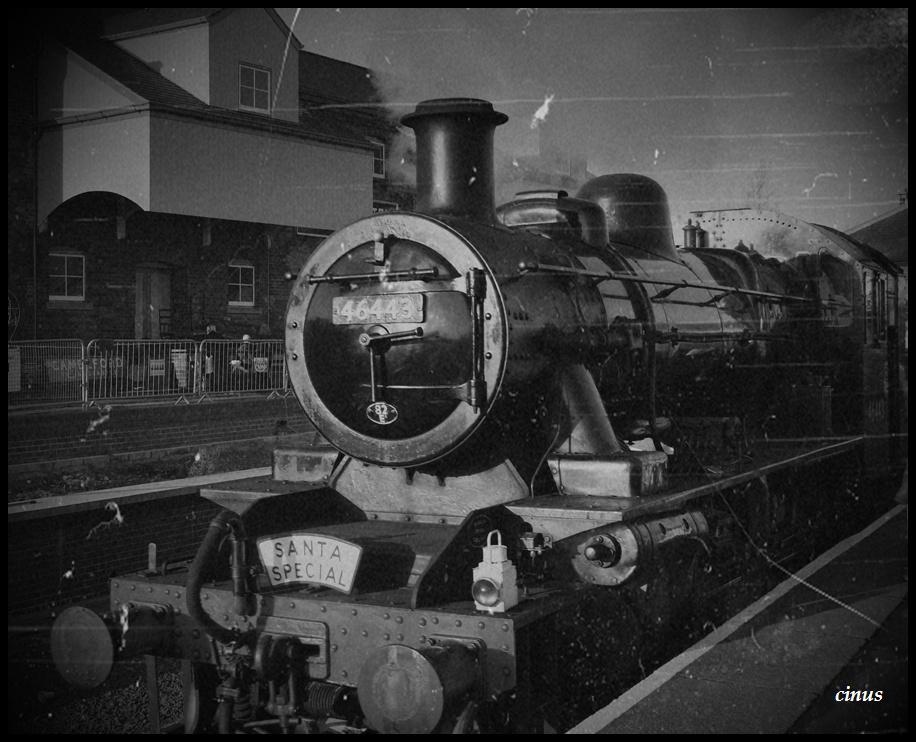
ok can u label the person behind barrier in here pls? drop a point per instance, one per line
(241, 364)
(212, 372)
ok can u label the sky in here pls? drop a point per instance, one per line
(800, 110)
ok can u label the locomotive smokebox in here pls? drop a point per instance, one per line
(455, 157)
(637, 214)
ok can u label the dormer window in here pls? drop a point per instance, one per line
(254, 88)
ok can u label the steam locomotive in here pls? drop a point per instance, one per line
(553, 437)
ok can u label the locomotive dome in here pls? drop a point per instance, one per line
(636, 209)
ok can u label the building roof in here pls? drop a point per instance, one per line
(858, 249)
(887, 233)
(342, 92)
(134, 74)
(335, 79)
(152, 20)
(161, 93)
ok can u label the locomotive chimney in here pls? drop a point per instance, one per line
(455, 156)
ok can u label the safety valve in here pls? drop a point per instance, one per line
(495, 586)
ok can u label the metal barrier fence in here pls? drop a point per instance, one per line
(125, 369)
(244, 366)
(44, 372)
(64, 371)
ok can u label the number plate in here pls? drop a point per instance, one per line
(363, 310)
(311, 558)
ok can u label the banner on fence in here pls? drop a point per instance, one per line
(13, 370)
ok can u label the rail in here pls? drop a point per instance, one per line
(48, 372)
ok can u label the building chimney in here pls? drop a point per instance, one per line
(455, 157)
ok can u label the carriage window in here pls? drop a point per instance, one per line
(875, 288)
(880, 309)
(66, 277)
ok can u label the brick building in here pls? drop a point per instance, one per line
(165, 174)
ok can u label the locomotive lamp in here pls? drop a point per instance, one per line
(495, 587)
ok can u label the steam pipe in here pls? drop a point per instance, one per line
(455, 157)
(201, 568)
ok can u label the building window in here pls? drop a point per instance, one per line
(379, 161)
(254, 88)
(241, 284)
(66, 276)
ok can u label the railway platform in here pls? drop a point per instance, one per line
(824, 652)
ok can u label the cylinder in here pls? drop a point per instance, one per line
(405, 691)
(455, 157)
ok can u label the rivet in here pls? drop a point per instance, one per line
(387, 637)
(344, 674)
(206, 596)
(353, 611)
(488, 355)
(294, 324)
(117, 584)
(422, 622)
(488, 316)
(505, 627)
(196, 633)
(343, 630)
(295, 356)
(435, 619)
(149, 589)
(505, 647)
(387, 616)
(457, 622)
(333, 647)
(506, 671)
(481, 625)
(400, 637)
(292, 604)
(399, 619)
(225, 617)
(364, 633)
(133, 587)
(324, 609)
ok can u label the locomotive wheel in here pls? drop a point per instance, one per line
(199, 683)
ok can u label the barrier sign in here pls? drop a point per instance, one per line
(13, 370)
